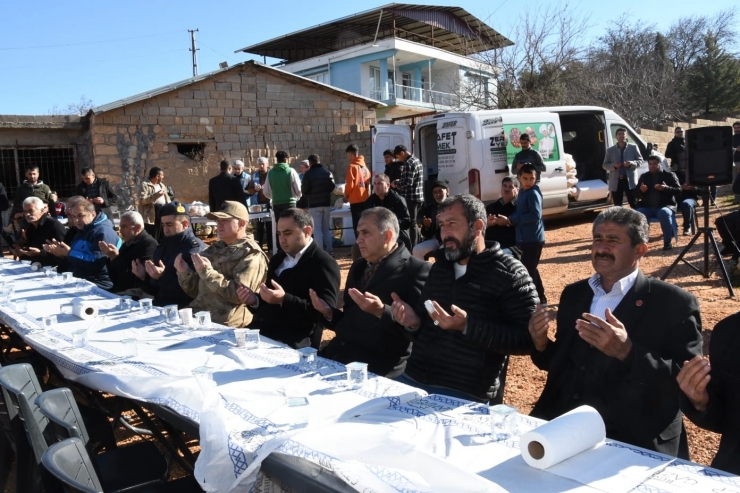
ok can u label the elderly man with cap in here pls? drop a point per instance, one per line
(238, 169)
(235, 260)
(428, 220)
(159, 272)
(36, 230)
(137, 245)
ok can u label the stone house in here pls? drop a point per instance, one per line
(241, 112)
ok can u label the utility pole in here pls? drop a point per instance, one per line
(194, 50)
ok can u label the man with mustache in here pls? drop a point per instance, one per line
(481, 301)
(620, 340)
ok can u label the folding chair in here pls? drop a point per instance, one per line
(20, 387)
(69, 462)
(122, 469)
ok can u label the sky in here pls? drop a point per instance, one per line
(52, 53)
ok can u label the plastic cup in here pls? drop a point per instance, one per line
(307, 358)
(48, 322)
(171, 314)
(502, 421)
(129, 348)
(79, 338)
(67, 277)
(21, 306)
(252, 339)
(80, 286)
(356, 374)
(4, 298)
(124, 304)
(241, 337)
(48, 270)
(204, 372)
(145, 304)
(186, 317)
(203, 320)
(66, 308)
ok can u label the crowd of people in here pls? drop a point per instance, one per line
(441, 293)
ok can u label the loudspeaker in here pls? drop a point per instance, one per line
(710, 155)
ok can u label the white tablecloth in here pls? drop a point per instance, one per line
(245, 414)
(382, 437)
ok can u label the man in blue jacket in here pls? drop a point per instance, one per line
(83, 256)
(530, 229)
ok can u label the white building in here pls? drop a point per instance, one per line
(414, 58)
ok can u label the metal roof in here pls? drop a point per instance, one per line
(192, 80)
(449, 28)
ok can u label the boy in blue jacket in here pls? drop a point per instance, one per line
(530, 229)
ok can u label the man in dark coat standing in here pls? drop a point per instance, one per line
(224, 187)
(96, 190)
(283, 310)
(317, 187)
(621, 338)
(481, 303)
(383, 196)
(366, 330)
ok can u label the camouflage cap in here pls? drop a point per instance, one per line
(230, 209)
(173, 209)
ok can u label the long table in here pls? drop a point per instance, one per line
(384, 436)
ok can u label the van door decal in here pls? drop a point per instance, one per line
(543, 139)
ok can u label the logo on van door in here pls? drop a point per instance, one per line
(493, 121)
(446, 143)
(452, 123)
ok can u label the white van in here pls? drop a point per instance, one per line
(473, 151)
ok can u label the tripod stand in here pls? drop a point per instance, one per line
(708, 233)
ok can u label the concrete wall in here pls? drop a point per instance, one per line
(242, 113)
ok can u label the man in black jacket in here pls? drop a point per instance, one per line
(96, 190)
(482, 300)
(428, 220)
(676, 152)
(393, 167)
(728, 227)
(138, 245)
(316, 187)
(366, 330)
(711, 392)
(528, 156)
(619, 341)
(659, 190)
(383, 196)
(36, 229)
(159, 273)
(224, 187)
(283, 310)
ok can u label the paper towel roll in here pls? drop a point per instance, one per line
(84, 309)
(563, 437)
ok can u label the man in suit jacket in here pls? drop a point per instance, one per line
(622, 161)
(282, 309)
(225, 187)
(620, 339)
(712, 392)
(366, 330)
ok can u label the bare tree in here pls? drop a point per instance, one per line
(81, 107)
(533, 72)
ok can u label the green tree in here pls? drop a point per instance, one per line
(714, 79)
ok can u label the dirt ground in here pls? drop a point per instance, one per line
(566, 259)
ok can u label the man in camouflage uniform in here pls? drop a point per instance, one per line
(234, 260)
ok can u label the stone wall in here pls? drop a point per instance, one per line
(244, 112)
(664, 135)
(357, 136)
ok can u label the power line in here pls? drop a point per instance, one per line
(88, 62)
(217, 52)
(87, 42)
